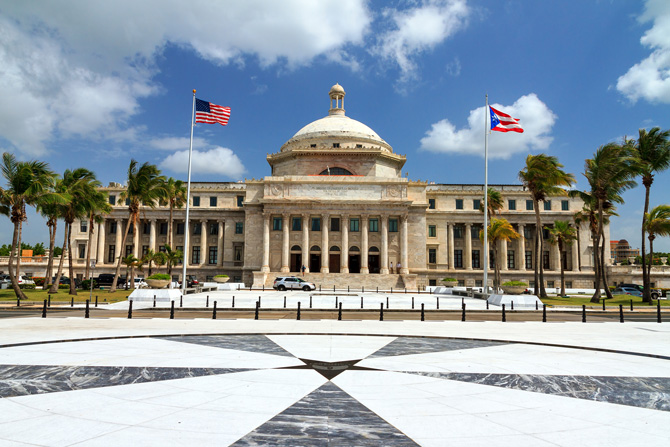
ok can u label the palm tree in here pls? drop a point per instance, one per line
(172, 257)
(561, 234)
(652, 155)
(51, 213)
(152, 257)
(145, 187)
(131, 262)
(657, 223)
(494, 202)
(543, 177)
(609, 173)
(28, 182)
(499, 231)
(175, 196)
(96, 207)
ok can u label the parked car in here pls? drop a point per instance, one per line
(292, 282)
(655, 293)
(65, 280)
(139, 284)
(627, 291)
(191, 281)
(24, 280)
(107, 279)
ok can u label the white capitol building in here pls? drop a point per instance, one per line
(337, 203)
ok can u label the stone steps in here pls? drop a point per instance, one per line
(355, 281)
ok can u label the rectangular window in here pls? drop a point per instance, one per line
(432, 255)
(529, 259)
(527, 233)
(196, 200)
(545, 259)
(529, 205)
(239, 227)
(459, 204)
(240, 201)
(393, 225)
(474, 231)
(373, 224)
(458, 259)
(547, 205)
(550, 284)
(432, 282)
(476, 203)
(129, 250)
(492, 260)
(197, 228)
(432, 231)
(112, 227)
(568, 284)
(212, 258)
(511, 204)
(112, 200)
(277, 224)
(213, 229)
(163, 228)
(510, 258)
(238, 253)
(112, 254)
(565, 205)
(431, 204)
(146, 228)
(297, 224)
(195, 257)
(180, 228)
(145, 250)
(316, 224)
(353, 225)
(564, 259)
(83, 226)
(458, 232)
(82, 251)
(180, 248)
(131, 229)
(212, 201)
(545, 233)
(127, 202)
(162, 249)
(334, 224)
(476, 263)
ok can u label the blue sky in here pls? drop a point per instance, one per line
(93, 84)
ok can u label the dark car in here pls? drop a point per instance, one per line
(191, 281)
(107, 279)
(65, 280)
(655, 293)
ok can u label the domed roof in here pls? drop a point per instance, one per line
(337, 88)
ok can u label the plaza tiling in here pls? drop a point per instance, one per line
(113, 381)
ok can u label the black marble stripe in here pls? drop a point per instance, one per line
(412, 345)
(644, 392)
(250, 343)
(21, 380)
(326, 417)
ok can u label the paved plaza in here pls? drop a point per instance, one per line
(70, 381)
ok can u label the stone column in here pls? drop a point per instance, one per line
(305, 241)
(285, 242)
(100, 254)
(136, 238)
(204, 244)
(384, 270)
(152, 234)
(228, 254)
(404, 267)
(554, 257)
(219, 242)
(468, 247)
(120, 251)
(503, 256)
(344, 259)
(364, 244)
(522, 249)
(266, 243)
(325, 249)
(450, 245)
(575, 256)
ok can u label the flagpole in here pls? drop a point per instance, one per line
(188, 199)
(486, 196)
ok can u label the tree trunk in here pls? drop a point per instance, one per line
(18, 253)
(496, 268)
(123, 244)
(651, 262)
(560, 261)
(540, 244)
(579, 250)
(537, 274)
(52, 244)
(15, 283)
(169, 238)
(88, 248)
(603, 270)
(596, 268)
(646, 295)
(73, 288)
(54, 286)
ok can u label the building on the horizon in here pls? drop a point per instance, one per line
(622, 251)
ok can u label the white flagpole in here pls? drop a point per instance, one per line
(188, 199)
(486, 196)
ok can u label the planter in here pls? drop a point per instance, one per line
(157, 283)
(221, 279)
(513, 290)
(450, 283)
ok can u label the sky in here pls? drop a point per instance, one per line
(94, 84)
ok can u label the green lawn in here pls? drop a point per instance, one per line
(64, 296)
(579, 300)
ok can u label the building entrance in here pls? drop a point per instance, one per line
(314, 263)
(354, 263)
(334, 263)
(296, 262)
(373, 263)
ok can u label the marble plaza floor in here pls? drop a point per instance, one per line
(113, 381)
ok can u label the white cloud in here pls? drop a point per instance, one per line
(176, 143)
(535, 117)
(420, 29)
(219, 160)
(650, 78)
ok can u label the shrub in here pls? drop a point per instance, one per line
(164, 276)
(450, 279)
(515, 283)
(64, 286)
(221, 276)
(27, 286)
(38, 281)
(86, 284)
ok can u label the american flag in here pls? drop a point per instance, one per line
(206, 112)
(502, 122)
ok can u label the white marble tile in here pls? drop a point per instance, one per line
(55, 430)
(330, 348)
(605, 436)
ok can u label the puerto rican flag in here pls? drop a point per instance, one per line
(502, 122)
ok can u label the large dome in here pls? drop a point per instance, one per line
(336, 125)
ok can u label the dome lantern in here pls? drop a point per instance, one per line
(336, 100)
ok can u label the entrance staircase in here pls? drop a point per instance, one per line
(355, 281)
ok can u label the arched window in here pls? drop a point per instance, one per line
(354, 249)
(315, 248)
(335, 171)
(374, 249)
(296, 248)
(334, 248)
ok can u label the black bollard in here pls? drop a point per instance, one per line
(214, 311)
(658, 311)
(438, 302)
(583, 313)
(377, 289)
(363, 289)
(154, 301)
(504, 317)
(387, 302)
(86, 313)
(319, 287)
(391, 289)
(536, 308)
(181, 300)
(284, 302)
(631, 305)
(256, 312)
(361, 302)
(412, 302)
(297, 315)
(130, 309)
(310, 301)
(333, 288)
(263, 288)
(381, 311)
(18, 303)
(423, 315)
(544, 313)
(603, 304)
(49, 300)
(336, 301)
(44, 309)
(512, 305)
(462, 301)
(96, 301)
(339, 313)
(233, 303)
(172, 310)
(259, 301)
(405, 289)
(487, 304)
(72, 302)
(463, 313)
(347, 289)
(207, 302)
(620, 313)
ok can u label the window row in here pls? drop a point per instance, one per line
(195, 201)
(196, 228)
(511, 264)
(511, 205)
(212, 254)
(315, 224)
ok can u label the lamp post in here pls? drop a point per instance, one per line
(90, 297)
